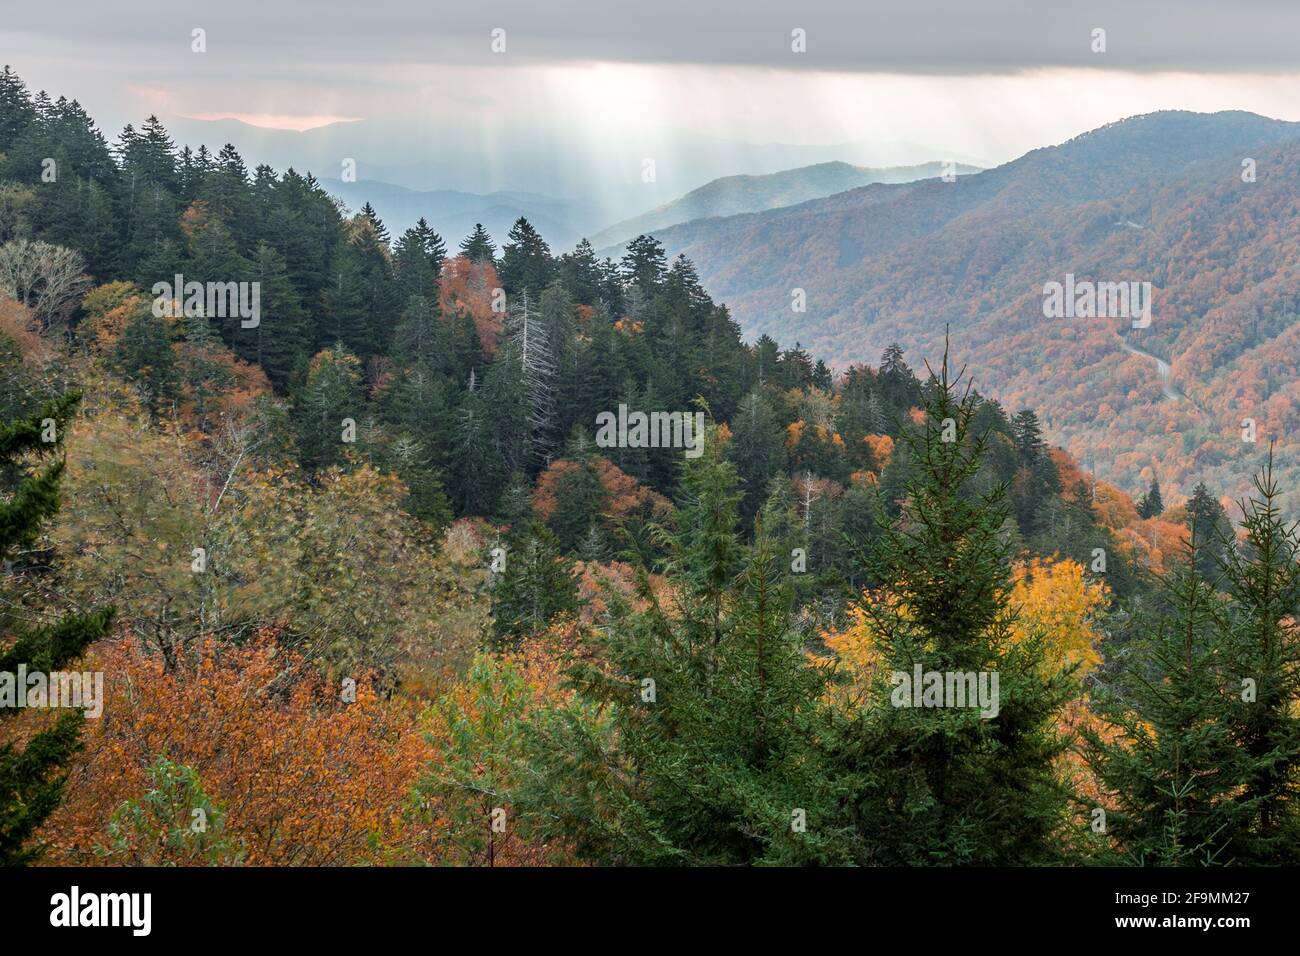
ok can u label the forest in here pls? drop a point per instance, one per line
(366, 585)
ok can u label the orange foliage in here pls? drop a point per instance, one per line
(17, 323)
(468, 286)
(626, 494)
(882, 451)
(305, 778)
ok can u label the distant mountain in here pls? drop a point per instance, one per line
(453, 214)
(549, 159)
(732, 195)
(1156, 198)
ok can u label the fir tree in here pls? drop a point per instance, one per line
(952, 784)
(536, 586)
(31, 784)
(1207, 516)
(329, 398)
(1151, 505)
(705, 753)
(1263, 581)
(525, 260)
(1166, 757)
(478, 246)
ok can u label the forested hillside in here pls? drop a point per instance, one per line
(369, 581)
(1162, 198)
(734, 195)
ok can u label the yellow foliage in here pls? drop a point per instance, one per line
(1054, 599)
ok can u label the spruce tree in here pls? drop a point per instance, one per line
(1263, 580)
(478, 246)
(31, 782)
(693, 737)
(955, 784)
(1207, 515)
(328, 399)
(1164, 754)
(536, 587)
(1151, 505)
(525, 260)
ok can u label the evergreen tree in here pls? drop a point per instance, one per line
(644, 264)
(757, 449)
(952, 784)
(330, 397)
(1210, 521)
(377, 227)
(31, 784)
(281, 340)
(1166, 757)
(899, 386)
(144, 354)
(580, 498)
(705, 753)
(478, 245)
(1263, 581)
(536, 587)
(16, 109)
(525, 260)
(1151, 505)
(478, 471)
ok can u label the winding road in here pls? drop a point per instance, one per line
(1166, 374)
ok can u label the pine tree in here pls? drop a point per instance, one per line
(536, 587)
(952, 784)
(478, 246)
(1263, 581)
(693, 739)
(1151, 505)
(31, 785)
(1165, 756)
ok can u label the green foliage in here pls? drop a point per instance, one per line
(693, 740)
(31, 778)
(175, 823)
(952, 785)
(535, 588)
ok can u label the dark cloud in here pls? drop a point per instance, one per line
(953, 36)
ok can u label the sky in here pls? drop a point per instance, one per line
(983, 82)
